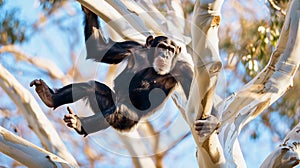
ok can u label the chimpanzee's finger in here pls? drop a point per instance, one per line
(68, 116)
(70, 110)
(70, 125)
(203, 128)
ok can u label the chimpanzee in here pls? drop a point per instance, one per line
(151, 74)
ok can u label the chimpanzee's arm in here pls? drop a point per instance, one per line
(115, 52)
(90, 22)
(183, 74)
(100, 50)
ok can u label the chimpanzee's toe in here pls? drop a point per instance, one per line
(35, 82)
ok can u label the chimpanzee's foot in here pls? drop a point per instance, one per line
(44, 92)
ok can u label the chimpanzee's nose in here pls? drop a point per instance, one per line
(164, 55)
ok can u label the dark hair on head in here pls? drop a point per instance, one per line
(157, 40)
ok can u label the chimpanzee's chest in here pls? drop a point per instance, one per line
(146, 89)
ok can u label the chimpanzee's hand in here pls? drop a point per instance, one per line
(205, 127)
(73, 121)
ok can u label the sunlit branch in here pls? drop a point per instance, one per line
(34, 115)
(27, 153)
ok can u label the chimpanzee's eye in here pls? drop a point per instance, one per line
(172, 49)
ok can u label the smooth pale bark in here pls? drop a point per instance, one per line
(251, 100)
(35, 117)
(27, 153)
(152, 24)
(207, 65)
(155, 14)
(207, 62)
(114, 19)
(175, 15)
(130, 15)
(136, 149)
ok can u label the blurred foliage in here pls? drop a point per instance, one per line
(50, 4)
(260, 48)
(13, 28)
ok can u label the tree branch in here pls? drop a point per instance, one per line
(114, 19)
(207, 65)
(27, 153)
(36, 119)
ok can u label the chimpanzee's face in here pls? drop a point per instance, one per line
(165, 56)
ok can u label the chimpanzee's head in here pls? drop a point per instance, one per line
(163, 53)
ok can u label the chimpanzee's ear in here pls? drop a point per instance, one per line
(178, 50)
(149, 41)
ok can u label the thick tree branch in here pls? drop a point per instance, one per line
(27, 153)
(207, 65)
(206, 57)
(146, 15)
(131, 16)
(114, 19)
(175, 15)
(35, 117)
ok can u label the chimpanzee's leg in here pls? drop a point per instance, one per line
(101, 99)
(120, 118)
(71, 93)
(107, 114)
(99, 95)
